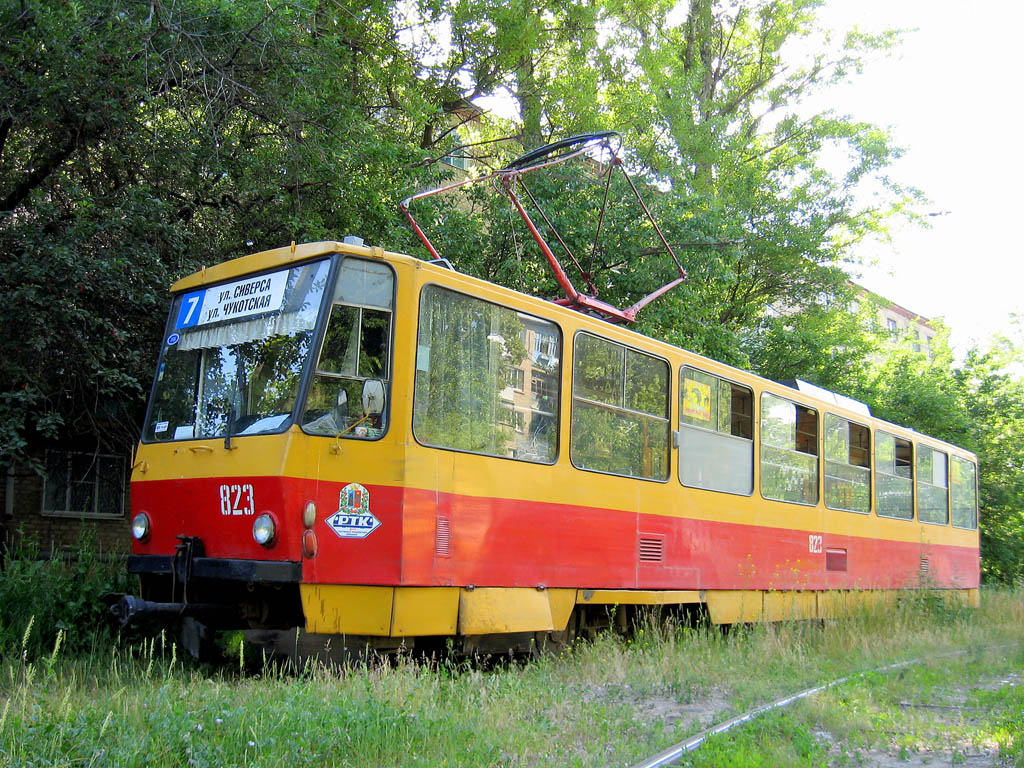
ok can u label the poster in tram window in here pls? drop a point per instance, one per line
(697, 400)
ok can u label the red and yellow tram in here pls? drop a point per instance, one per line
(356, 442)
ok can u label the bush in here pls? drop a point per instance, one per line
(62, 593)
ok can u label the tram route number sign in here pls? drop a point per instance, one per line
(353, 520)
(229, 301)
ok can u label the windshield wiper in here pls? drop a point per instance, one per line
(230, 426)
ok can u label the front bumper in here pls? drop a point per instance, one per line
(220, 569)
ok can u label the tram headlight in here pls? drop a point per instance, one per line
(140, 526)
(309, 514)
(264, 529)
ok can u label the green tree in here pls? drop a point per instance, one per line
(994, 407)
(141, 141)
(978, 405)
(727, 97)
(713, 116)
(830, 343)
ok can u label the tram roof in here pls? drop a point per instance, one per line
(277, 257)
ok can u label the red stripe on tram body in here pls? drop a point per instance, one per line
(505, 542)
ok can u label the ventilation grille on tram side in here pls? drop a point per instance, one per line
(652, 549)
(443, 537)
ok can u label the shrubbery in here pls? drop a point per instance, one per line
(63, 593)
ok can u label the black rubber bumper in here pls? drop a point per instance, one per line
(223, 569)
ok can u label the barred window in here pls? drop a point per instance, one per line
(84, 485)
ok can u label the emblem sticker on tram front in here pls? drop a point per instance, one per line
(353, 520)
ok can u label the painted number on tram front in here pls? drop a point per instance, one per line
(237, 500)
(814, 543)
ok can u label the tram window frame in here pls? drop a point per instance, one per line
(897, 461)
(342, 297)
(501, 375)
(622, 394)
(920, 486)
(186, 432)
(956, 471)
(713, 443)
(854, 452)
(798, 436)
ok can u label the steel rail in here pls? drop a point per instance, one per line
(673, 753)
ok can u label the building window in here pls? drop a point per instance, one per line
(891, 324)
(519, 421)
(83, 485)
(458, 157)
(516, 378)
(543, 389)
(544, 349)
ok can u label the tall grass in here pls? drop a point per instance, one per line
(609, 702)
(59, 595)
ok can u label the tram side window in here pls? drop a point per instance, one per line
(847, 465)
(487, 378)
(789, 451)
(619, 410)
(716, 446)
(894, 493)
(346, 398)
(932, 486)
(964, 491)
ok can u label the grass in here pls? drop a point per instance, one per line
(611, 702)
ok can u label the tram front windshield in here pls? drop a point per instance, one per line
(233, 359)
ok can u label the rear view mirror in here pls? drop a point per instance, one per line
(373, 397)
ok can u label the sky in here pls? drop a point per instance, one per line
(952, 97)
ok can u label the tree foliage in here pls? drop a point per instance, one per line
(141, 141)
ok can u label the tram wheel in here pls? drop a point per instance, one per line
(557, 642)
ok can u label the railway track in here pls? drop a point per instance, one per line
(673, 754)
